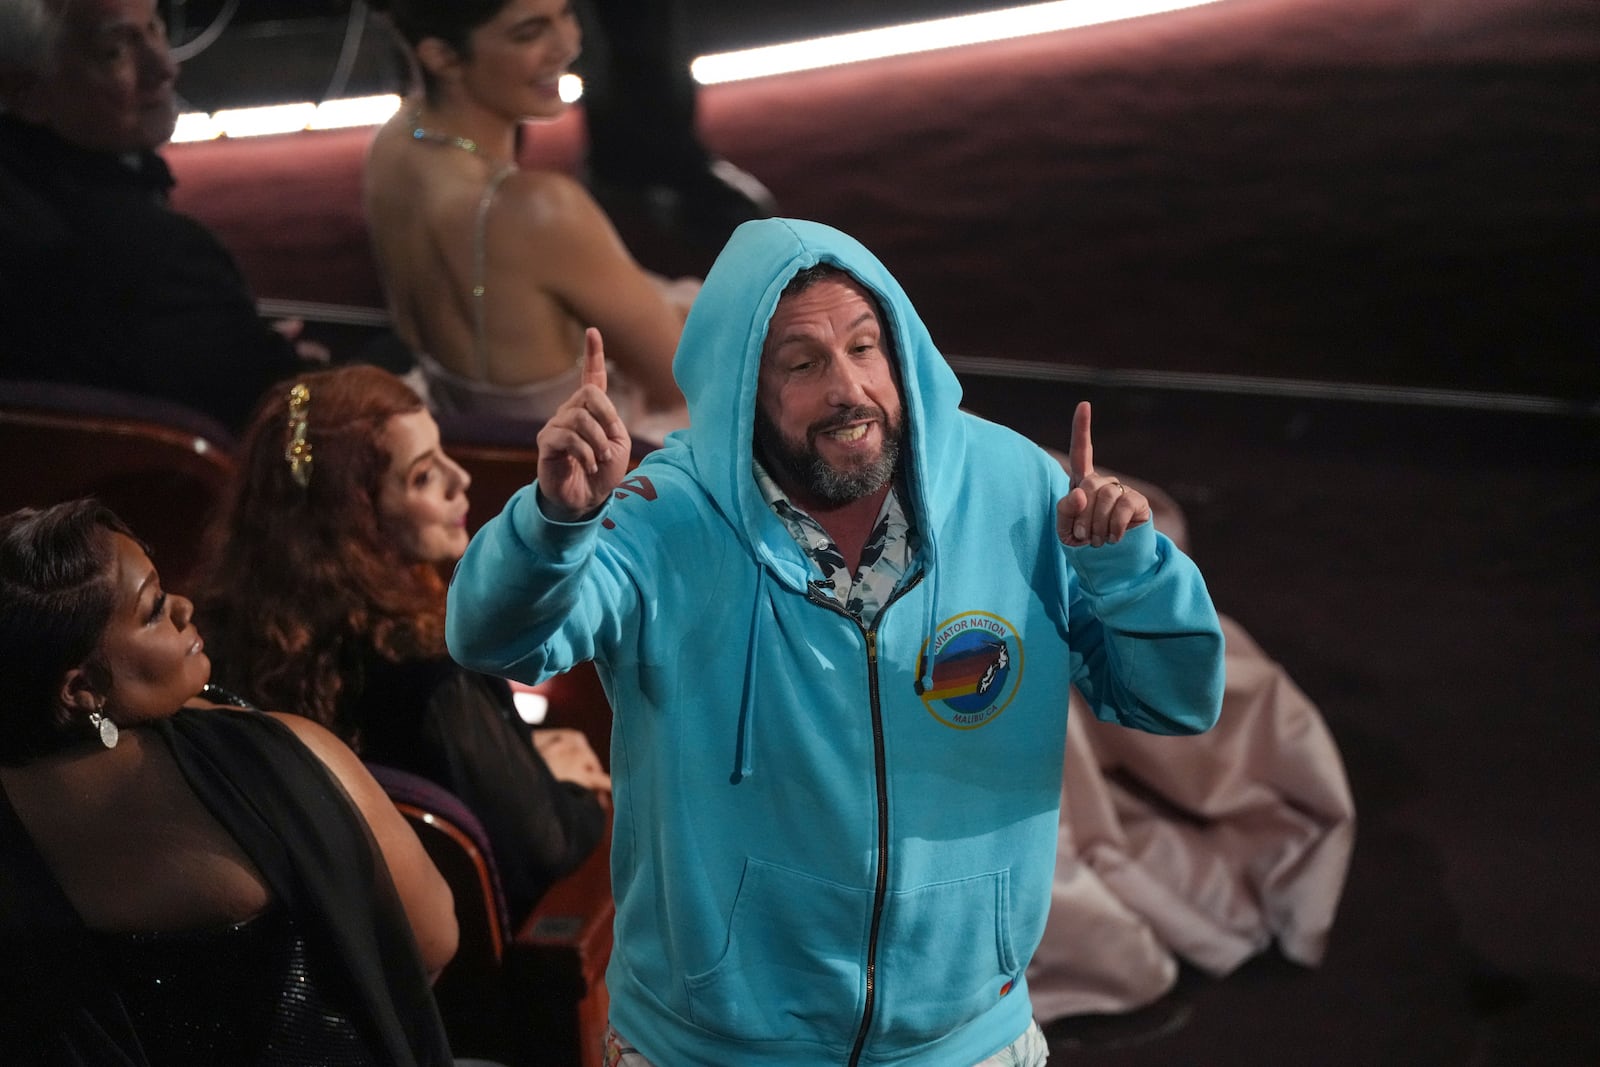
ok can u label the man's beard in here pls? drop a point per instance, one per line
(798, 463)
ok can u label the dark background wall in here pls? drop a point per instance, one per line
(1395, 191)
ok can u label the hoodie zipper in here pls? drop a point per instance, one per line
(881, 772)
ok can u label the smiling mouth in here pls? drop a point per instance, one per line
(199, 645)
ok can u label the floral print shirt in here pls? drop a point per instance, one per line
(884, 560)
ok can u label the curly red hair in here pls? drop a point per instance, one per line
(301, 581)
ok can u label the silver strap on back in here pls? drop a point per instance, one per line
(480, 264)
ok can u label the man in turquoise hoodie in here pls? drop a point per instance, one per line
(837, 619)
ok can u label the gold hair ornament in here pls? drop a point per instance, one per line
(298, 451)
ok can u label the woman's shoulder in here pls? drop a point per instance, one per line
(227, 733)
(401, 183)
(548, 203)
(229, 738)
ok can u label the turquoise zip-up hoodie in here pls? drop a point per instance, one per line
(833, 845)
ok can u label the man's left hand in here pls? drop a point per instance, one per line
(1100, 509)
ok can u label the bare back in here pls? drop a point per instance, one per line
(551, 265)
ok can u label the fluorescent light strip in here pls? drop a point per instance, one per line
(292, 118)
(195, 126)
(257, 121)
(285, 118)
(725, 66)
(924, 37)
(354, 111)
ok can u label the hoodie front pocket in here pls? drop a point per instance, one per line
(792, 965)
(944, 957)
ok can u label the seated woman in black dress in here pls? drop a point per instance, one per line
(182, 883)
(324, 597)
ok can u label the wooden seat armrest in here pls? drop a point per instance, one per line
(557, 966)
(574, 916)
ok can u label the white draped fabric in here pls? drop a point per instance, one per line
(1204, 848)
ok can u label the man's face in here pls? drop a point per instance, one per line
(828, 414)
(108, 82)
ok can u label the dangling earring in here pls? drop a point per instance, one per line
(101, 722)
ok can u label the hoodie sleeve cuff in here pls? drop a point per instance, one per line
(1102, 569)
(553, 538)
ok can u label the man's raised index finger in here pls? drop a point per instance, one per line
(594, 359)
(1081, 458)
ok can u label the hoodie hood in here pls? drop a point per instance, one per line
(719, 362)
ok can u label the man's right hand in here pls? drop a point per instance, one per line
(584, 447)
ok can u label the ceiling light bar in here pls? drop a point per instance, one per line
(924, 37)
(354, 111)
(195, 126)
(256, 121)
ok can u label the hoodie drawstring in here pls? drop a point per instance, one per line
(930, 622)
(747, 698)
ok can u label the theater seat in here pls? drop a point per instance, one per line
(471, 991)
(533, 996)
(161, 466)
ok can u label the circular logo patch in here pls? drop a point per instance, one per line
(977, 663)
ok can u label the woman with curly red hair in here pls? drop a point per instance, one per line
(323, 595)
